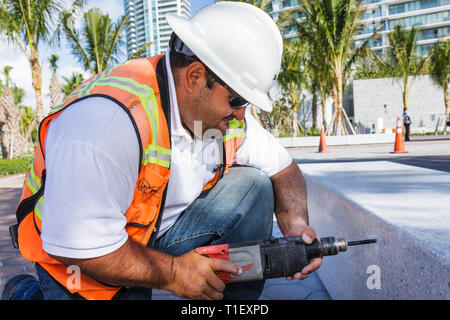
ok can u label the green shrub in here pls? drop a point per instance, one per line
(13, 166)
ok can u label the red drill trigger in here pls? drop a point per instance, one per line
(219, 252)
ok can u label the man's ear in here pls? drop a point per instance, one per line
(194, 77)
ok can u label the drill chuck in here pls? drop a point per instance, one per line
(331, 246)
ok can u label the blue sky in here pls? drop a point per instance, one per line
(21, 73)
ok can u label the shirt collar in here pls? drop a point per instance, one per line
(177, 128)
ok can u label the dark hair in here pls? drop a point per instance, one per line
(180, 60)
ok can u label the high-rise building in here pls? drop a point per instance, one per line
(147, 22)
(431, 16)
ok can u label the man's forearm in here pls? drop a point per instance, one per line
(290, 199)
(190, 275)
(131, 265)
(291, 210)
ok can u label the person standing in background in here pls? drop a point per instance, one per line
(406, 123)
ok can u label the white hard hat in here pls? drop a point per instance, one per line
(239, 42)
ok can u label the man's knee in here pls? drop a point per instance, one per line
(258, 203)
(258, 183)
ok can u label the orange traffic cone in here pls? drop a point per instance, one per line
(399, 146)
(323, 145)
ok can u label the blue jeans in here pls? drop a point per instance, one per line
(239, 208)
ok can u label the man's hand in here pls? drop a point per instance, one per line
(308, 235)
(194, 276)
(292, 211)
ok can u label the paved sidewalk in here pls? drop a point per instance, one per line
(11, 263)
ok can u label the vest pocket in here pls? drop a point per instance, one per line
(148, 193)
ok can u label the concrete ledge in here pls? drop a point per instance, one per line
(338, 140)
(13, 181)
(406, 208)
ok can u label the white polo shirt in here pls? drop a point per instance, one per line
(92, 160)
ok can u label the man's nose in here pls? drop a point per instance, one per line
(240, 113)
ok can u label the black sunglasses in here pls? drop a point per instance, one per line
(236, 101)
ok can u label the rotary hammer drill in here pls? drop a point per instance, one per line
(274, 258)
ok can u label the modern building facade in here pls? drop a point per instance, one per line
(431, 16)
(147, 22)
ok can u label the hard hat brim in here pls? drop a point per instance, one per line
(191, 35)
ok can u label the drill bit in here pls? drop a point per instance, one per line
(355, 243)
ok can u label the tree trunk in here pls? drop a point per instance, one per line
(348, 122)
(36, 75)
(339, 122)
(256, 116)
(324, 102)
(56, 94)
(333, 123)
(294, 122)
(314, 111)
(341, 129)
(405, 94)
(3, 145)
(446, 102)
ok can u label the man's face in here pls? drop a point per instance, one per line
(202, 103)
(212, 107)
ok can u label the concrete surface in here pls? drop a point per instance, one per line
(13, 181)
(337, 140)
(11, 263)
(415, 148)
(405, 207)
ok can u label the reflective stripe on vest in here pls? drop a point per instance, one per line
(152, 153)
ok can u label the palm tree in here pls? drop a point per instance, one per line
(97, 44)
(28, 24)
(317, 71)
(292, 79)
(141, 52)
(330, 27)
(72, 83)
(401, 60)
(10, 116)
(6, 99)
(439, 70)
(56, 95)
(28, 124)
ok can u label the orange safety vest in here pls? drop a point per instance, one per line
(133, 86)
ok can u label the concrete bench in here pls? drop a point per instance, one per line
(406, 208)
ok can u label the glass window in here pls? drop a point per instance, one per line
(372, 1)
(371, 13)
(416, 5)
(421, 20)
(289, 3)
